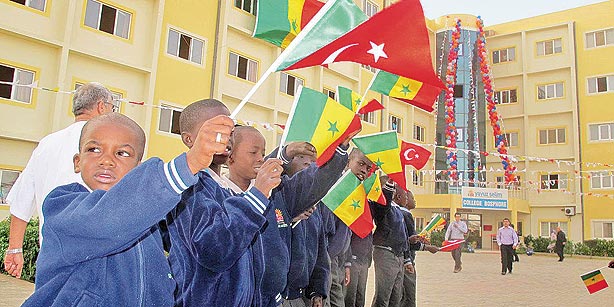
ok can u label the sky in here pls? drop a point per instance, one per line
(499, 11)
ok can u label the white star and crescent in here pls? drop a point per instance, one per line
(377, 51)
(408, 152)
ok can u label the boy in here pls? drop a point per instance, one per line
(102, 245)
(290, 199)
(216, 249)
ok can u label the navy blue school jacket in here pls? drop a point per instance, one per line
(293, 196)
(104, 248)
(216, 249)
(390, 230)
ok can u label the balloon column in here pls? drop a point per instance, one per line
(508, 167)
(450, 115)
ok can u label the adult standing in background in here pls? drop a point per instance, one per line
(50, 166)
(561, 240)
(456, 231)
(507, 239)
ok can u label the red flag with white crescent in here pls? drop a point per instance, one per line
(414, 155)
(448, 246)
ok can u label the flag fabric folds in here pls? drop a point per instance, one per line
(435, 222)
(370, 106)
(347, 199)
(407, 90)
(348, 98)
(384, 149)
(448, 246)
(594, 281)
(321, 121)
(395, 40)
(279, 21)
(373, 188)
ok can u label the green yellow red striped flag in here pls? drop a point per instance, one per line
(280, 21)
(411, 91)
(347, 199)
(384, 149)
(594, 281)
(321, 121)
(348, 98)
(373, 188)
(435, 222)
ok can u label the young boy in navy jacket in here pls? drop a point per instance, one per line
(216, 249)
(292, 196)
(102, 245)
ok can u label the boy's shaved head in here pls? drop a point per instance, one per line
(118, 120)
(200, 111)
(242, 131)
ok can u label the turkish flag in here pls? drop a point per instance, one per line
(371, 106)
(414, 155)
(448, 246)
(395, 40)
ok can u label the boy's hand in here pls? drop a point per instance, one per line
(300, 148)
(431, 248)
(211, 139)
(269, 176)
(346, 142)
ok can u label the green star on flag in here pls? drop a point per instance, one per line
(379, 163)
(405, 90)
(355, 204)
(333, 127)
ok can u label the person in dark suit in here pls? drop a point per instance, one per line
(561, 240)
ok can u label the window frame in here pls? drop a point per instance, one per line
(247, 69)
(594, 38)
(418, 178)
(602, 223)
(546, 85)
(368, 118)
(550, 224)
(192, 37)
(399, 129)
(509, 138)
(118, 8)
(508, 93)
(603, 176)
(368, 7)
(287, 77)
(27, 6)
(609, 83)
(252, 11)
(33, 94)
(562, 184)
(163, 106)
(2, 195)
(544, 50)
(499, 53)
(419, 130)
(598, 126)
(547, 130)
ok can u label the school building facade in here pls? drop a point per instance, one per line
(167, 54)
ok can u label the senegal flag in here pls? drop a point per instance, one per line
(347, 199)
(384, 149)
(373, 188)
(348, 98)
(435, 222)
(279, 21)
(321, 121)
(410, 91)
(594, 281)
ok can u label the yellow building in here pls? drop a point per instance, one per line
(168, 54)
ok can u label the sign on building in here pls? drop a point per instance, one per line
(484, 198)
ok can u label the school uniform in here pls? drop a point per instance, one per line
(216, 248)
(362, 255)
(104, 248)
(338, 236)
(409, 279)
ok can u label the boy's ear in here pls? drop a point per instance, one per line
(76, 159)
(187, 139)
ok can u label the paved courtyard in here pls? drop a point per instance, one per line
(537, 281)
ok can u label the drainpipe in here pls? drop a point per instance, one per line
(575, 43)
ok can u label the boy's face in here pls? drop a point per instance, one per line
(360, 165)
(299, 163)
(248, 155)
(108, 152)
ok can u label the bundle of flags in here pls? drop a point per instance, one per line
(435, 222)
(594, 281)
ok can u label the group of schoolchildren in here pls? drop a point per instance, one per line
(181, 233)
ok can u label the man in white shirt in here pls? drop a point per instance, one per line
(50, 166)
(456, 231)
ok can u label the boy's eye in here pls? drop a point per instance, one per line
(93, 149)
(123, 153)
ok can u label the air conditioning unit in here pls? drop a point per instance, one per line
(570, 211)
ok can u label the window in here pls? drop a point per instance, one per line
(553, 181)
(418, 178)
(550, 91)
(250, 6)
(547, 227)
(419, 133)
(16, 75)
(107, 18)
(458, 91)
(7, 179)
(600, 38)
(506, 96)
(369, 68)
(395, 123)
(601, 84)
(370, 8)
(369, 117)
(329, 93)
(460, 49)
(601, 132)
(185, 46)
(552, 136)
(514, 185)
(35, 4)
(602, 180)
(460, 134)
(603, 229)
(289, 84)
(242, 67)
(511, 139)
(504, 55)
(116, 96)
(419, 224)
(169, 119)
(549, 47)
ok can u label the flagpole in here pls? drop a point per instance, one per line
(367, 90)
(301, 35)
(284, 136)
(601, 268)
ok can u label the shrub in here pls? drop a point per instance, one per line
(30, 247)
(437, 237)
(540, 244)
